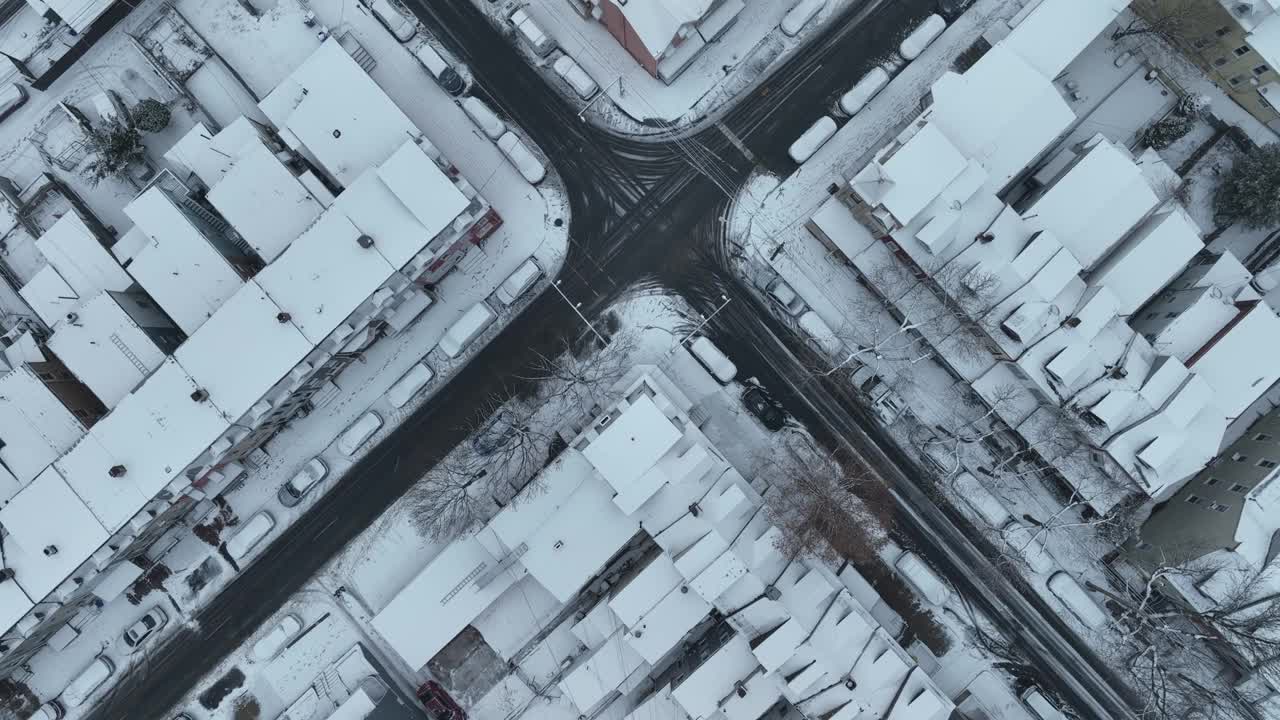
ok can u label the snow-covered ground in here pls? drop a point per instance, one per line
(642, 104)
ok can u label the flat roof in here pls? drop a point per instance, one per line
(48, 514)
(209, 155)
(243, 350)
(635, 440)
(918, 171)
(1058, 30)
(34, 424)
(324, 275)
(180, 269)
(425, 191)
(1148, 259)
(701, 691)
(112, 500)
(158, 429)
(338, 113)
(105, 349)
(645, 589)
(262, 199)
(49, 295)
(82, 261)
(661, 629)
(590, 680)
(1239, 362)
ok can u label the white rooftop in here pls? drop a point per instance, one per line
(657, 22)
(112, 500)
(330, 106)
(1057, 30)
(1149, 258)
(262, 199)
(243, 350)
(1239, 363)
(35, 426)
(47, 516)
(661, 629)
(210, 156)
(105, 348)
(913, 176)
(49, 295)
(74, 251)
(180, 269)
(632, 443)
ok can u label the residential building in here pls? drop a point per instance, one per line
(1236, 42)
(700, 616)
(664, 36)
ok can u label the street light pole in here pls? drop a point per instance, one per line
(599, 95)
(575, 307)
(706, 320)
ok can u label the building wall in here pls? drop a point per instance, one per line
(1216, 42)
(621, 30)
(1202, 516)
(151, 319)
(64, 385)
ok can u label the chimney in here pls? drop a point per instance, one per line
(116, 471)
(50, 550)
(365, 241)
(200, 395)
(740, 688)
(772, 593)
(283, 317)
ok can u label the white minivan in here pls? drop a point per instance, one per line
(518, 282)
(815, 137)
(359, 433)
(923, 578)
(522, 158)
(409, 384)
(468, 327)
(484, 117)
(571, 72)
(89, 679)
(716, 362)
(250, 535)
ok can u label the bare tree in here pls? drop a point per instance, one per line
(1174, 20)
(581, 377)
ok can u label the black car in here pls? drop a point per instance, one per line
(765, 408)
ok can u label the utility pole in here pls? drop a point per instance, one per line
(576, 309)
(706, 319)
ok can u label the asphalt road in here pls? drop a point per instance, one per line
(636, 212)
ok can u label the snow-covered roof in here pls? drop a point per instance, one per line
(330, 106)
(1239, 362)
(78, 14)
(601, 672)
(49, 295)
(49, 532)
(666, 623)
(14, 604)
(112, 500)
(1149, 258)
(921, 699)
(912, 175)
(656, 23)
(645, 589)
(262, 199)
(35, 426)
(82, 261)
(701, 690)
(210, 156)
(1265, 39)
(324, 275)
(631, 444)
(243, 350)
(105, 348)
(1094, 203)
(181, 269)
(1057, 30)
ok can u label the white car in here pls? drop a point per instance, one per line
(529, 166)
(144, 628)
(821, 336)
(250, 535)
(280, 635)
(865, 89)
(51, 710)
(785, 297)
(923, 36)
(396, 20)
(1028, 543)
(359, 433)
(409, 384)
(532, 33)
(1078, 600)
(484, 117)
(302, 482)
(571, 72)
(923, 578)
(716, 362)
(89, 679)
(815, 137)
(518, 282)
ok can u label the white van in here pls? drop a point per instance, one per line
(920, 38)
(521, 157)
(1077, 599)
(484, 118)
(982, 500)
(409, 384)
(276, 638)
(716, 362)
(815, 137)
(571, 72)
(800, 15)
(865, 89)
(89, 679)
(532, 33)
(250, 535)
(923, 578)
(359, 433)
(821, 333)
(468, 327)
(518, 282)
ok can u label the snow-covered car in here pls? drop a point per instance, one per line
(799, 15)
(941, 455)
(145, 627)
(761, 404)
(865, 89)
(398, 21)
(1077, 599)
(1040, 707)
(445, 76)
(528, 164)
(981, 500)
(532, 33)
(51, 710)
(571, 72)
(1028, 543)
(466, 329)
(12, 97)
(89, 679)
(922, 577)
(715, 362)
(922, 37)
(409, 385)
(821, 336)
(815, 137)
(274, 641)
(358, 433)
(250, 535)
(518, 282)
(302, 481)
(484, 117)
(785, 297)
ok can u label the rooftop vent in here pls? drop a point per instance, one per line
(200, 395)
(740, 688)
(850, 683)
(7, 574)
(985, 237)
(1071, 322)
(73, 318)
(283, 317)
(694, 510)
(116, 471)
(365, 241)
(772, 593)
(50, 550)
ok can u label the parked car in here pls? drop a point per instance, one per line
(145, 627)
(923, 36)
(799, 15)
(302, 481)
(715, 362)
(484, 117)
(532, 33)
(518, 282)
(1027, 543)
(409, 384)
(815, 137)
(821, 336)
(981, 500)
(571, 72)
(274, 641)
(1077, 599)
(761, 404)
(250, 535)
(865, 89)
(785, 297)
(445, 76)
(51, 710)
(528, 164)
(398, 21)
(1040, 707)
(923, 578)
(359, 433)
(941, 455)
(12, 97)
(89, 679)
(466, 329)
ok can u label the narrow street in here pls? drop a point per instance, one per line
(639, 213)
